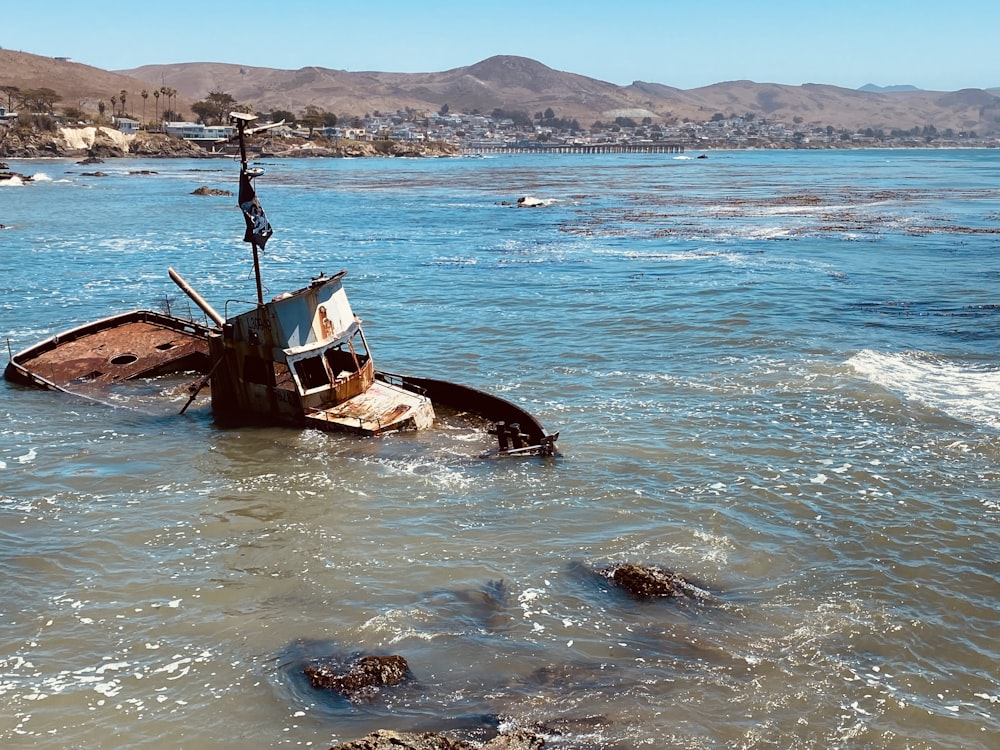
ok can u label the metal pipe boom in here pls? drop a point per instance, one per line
(198, 299)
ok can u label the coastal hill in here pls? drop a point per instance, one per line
(81, 86)
(517, 83)
(512, 84)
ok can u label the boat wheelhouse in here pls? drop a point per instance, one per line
(303, 359)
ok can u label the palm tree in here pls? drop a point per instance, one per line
(145, 95)
(166, 106)
(114, 101)
(122, 96)
(156, 104)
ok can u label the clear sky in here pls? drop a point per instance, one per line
(932, 45)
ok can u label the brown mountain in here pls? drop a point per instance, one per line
(520, 84)
(512, 84)
(80, 86)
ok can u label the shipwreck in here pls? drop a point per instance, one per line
(300, 359)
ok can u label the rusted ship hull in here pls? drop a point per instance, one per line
(129, 346)
(518, 431)
(93, 358)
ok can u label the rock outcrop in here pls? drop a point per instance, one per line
(206, 190)
(92, 142)
(101, 142)
(384, 739)
(649, 582)
(362, 680)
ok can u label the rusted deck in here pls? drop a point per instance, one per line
(381, 408)
(133, 345)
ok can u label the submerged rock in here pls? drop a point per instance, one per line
(206, 190)
(363, 680)
(384, 739)
(650, 582)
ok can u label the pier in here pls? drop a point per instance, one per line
(575, 148)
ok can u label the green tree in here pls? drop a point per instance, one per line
(11, 92)
(312, 118)
(518, 117)
(40, 100)
(122, 96)
(169, 93)
(215, 108)
(74, 114)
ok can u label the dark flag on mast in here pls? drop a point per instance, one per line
(258, 227)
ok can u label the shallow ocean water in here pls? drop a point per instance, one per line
(775, 373)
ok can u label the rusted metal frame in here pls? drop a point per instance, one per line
(201, 384)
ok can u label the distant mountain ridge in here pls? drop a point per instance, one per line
(888, 89)
(511, 83)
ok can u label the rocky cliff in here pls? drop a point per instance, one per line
(106, 142)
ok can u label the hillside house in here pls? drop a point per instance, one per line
(127, 125)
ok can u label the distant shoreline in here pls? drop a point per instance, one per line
(82, 159)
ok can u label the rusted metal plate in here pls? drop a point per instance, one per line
(100, 354)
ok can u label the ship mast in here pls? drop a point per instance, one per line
(240, 120)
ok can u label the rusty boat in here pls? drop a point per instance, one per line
(300, 359)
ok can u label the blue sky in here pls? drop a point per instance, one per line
(932, 45)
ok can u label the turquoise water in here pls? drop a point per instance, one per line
(773, 372)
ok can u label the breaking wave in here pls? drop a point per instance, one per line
(963, 391)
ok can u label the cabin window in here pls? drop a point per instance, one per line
(341, 360)
(255, 370)
(311, 373)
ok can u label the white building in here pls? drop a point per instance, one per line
(195, 131)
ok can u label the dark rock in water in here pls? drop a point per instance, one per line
(649, 582)
(93, 174)
(91, 160)
(383, 739)
(516, 740)
(363, 680)
(205, 190)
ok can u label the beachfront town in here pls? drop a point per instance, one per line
(498, 132)
(545, 132)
